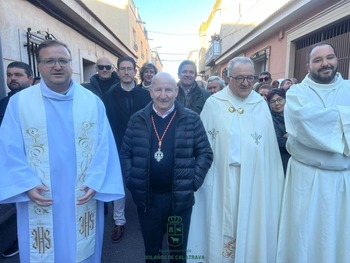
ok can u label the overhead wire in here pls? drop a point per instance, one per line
(173, 34)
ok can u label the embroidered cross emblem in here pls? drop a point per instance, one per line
(256, 137)
(213, 134)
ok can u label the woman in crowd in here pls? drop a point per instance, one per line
(147, 72)
(275, 84)
(277, 99)
(263, 89)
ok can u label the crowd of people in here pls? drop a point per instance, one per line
(228, 170)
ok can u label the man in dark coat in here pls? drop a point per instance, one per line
(124, 99)
(19, 76)
(165, 157)
(101, 82)
(190, 94)
(104, 79)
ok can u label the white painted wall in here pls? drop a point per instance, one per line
(17, 15)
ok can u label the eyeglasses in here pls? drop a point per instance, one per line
(277, 101)
(126, 69)
(51, 62)
(249, 78)
(264, 79)
(101, 67)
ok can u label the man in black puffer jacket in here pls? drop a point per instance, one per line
(165, 157)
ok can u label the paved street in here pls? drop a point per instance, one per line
(129, 250)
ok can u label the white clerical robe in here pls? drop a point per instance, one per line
(17, 176)
(315, 219)
(235, 217)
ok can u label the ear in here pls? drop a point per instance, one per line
(118, 73)
(308, 67)
(176, 91)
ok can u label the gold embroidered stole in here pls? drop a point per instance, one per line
(34, 131)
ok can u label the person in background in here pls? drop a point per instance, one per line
(36, 80)
(190, 95)
(202, 83)
(265, 77)
(236, 214)
(104, 79)
(263, 89)
(294, 80)
(122, 101)
(275, 84)
(53, 143)
(285, 84)
(101, 83)
(315, 212)
(147, 72)
(165, 157)
(277, 99)
(215, 84)
(19, 76)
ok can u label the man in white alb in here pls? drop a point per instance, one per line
(235, 217)
(315, 209)
(58, 163)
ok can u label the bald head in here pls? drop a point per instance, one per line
(104, 68)
(163, 76)
(104, 61)
(163, 91)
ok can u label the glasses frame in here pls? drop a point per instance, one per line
(241, 78)
(101, 67)
(48, 62)
(279, 101)
(264, 79)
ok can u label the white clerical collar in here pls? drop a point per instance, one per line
(166, 113)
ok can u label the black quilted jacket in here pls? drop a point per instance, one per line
(193, 157)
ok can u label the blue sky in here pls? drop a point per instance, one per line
(173, 25)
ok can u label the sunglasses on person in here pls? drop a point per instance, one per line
(101, 67)
(264, 79)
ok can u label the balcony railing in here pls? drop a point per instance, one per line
(212, 53)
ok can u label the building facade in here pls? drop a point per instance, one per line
(279, 41)
(90, 28)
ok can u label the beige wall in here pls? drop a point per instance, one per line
(122, 18)
(116, 40)
(114, 14)
(13, 36)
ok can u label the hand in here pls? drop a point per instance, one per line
(285, 135)
(36, 196)
(89, 193)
